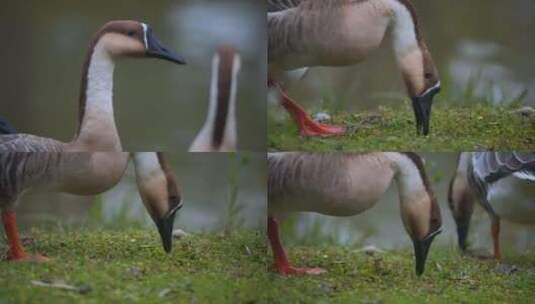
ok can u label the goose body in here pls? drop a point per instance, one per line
(86, 173)
(311, 33)
(218, 133)
(96, 124)
(346, 185)
(503, 183)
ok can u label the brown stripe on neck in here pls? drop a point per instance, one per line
(173, 191)
(435, 221)
(119, 26)
(224, 86)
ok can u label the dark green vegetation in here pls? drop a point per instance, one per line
(453, 128)
(356, 277)
(130, 266)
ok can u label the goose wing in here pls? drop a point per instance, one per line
(29, 143)
(492, 166)
(281, 5)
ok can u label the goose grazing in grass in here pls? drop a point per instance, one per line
(346, 185)
(503, 183)
(159, 192)
(96, 123)
(219, 131)
(85, 173)
(307, 33)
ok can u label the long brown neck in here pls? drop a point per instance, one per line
(96, 123)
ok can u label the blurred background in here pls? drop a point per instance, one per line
(220, 191)
(483, 50)
(382, 227)
(158, 105)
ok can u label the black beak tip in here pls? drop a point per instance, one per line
(165, 228)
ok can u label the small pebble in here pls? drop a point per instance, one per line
(179, 233)
(506, 269)
(322, 117)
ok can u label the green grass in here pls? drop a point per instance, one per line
(355, 277)
(453, 128)
(130, 266)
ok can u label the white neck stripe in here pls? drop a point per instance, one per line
(437, 85)
(145, 40)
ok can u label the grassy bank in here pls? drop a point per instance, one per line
(453, 128)
(130, 266)
(356, 277)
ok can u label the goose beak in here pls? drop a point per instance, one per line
(165, 227)
(422, 109)
(421, 249)
(155, 49)
(462, 233)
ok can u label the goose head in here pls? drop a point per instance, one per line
(159, 192)
(422, 81)
(420, 211)
(133, 39)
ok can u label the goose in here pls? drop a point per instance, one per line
(503, 183)
(308, 33)
(96, 125)
(346, 185)
(85, 173)
(159, 192)
(218, 133)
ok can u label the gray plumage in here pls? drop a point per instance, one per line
(279, 5)
(29, 143)
(20, 171)
(5, 127)
(297, 171)
(487, 168)
(491, 166)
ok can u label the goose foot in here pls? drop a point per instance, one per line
(29, 258)
(290, 270)
(307, 126)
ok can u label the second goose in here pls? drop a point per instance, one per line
(218, 133)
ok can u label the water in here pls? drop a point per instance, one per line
(490, 41)
(158, 105)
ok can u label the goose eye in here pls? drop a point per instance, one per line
(428, 76)
(130, 33)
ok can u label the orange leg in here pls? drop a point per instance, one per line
(495, 229)
(281, 260)
(307, 126)
(16, 250)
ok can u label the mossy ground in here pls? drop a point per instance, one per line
(130, 266)
(355, 277)
(453, 128)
